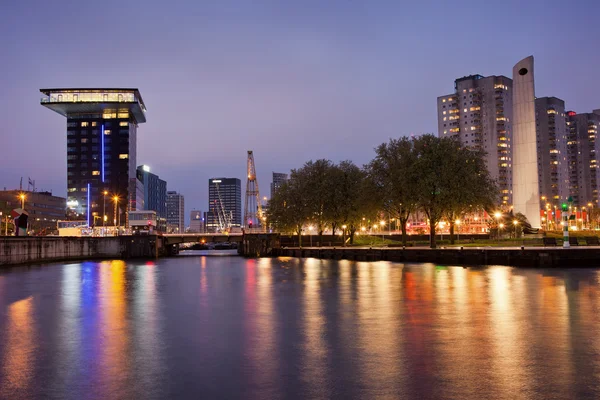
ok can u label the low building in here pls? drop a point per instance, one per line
(44, 209)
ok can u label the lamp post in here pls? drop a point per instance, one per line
(116, 200)
(500, 227)
(104, 210)
(590, 220)
(382, 223)
(457, 223)
(515, 223)
(498, 214)
(344, 235)
(22, 197)
(310, 228)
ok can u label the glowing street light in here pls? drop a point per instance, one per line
(116, 200)
(22, 197)
(515, 223)
(310, 229)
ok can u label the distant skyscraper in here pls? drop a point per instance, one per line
(224, 203)
(526, 196)
(196, 221)
(553, 167)
(479, 112)
(175, 212)
(101, 147)
(155, 195)
(278, 180)
(583, 150)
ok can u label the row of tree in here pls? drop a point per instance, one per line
(436, 176)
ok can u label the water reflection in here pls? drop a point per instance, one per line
(215, 327)
(19, 358)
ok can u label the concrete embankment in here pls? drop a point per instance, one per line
(27, 250)
(518, 257)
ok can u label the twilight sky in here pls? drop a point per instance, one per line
(291, 80)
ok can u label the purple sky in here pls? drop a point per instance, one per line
(291, 80)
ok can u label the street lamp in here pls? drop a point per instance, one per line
(498, 214)
(382, 223)
(116, 200)
(310, 228)
(501, 226)
(104, 210)
(22, 197)
(515, 223)
(457, 222)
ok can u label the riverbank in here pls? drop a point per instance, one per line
(542, 257)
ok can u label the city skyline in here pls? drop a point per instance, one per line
(290, 82)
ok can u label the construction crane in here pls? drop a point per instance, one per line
(252, 206)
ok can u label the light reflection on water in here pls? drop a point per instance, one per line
(297, 328)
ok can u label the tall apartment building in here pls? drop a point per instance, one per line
(278, 179)
(224, 203)
(101, 147)
(175, 212)
(583, 149)
(479, 113)
(553, 164)
(155, 195)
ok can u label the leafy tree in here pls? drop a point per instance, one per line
(449, 176)
(318, 180)
(469, 187)
(287, 210)
(393, 175)
(349, 202)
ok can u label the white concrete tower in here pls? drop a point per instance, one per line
(526, 197)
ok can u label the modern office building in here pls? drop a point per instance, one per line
(101, 148)
(479, 113)
(175, 212)
(526, 195)
(44, 209)
(553, 167)
(196, 221)
(224, 204)
(278, 179)
(155, 195)
(583, 148)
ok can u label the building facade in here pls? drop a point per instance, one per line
(278, 179)
(553, 167)
(479, 113)
(196, 221)
(583, 149)
(224, 204)
(101, 148)
(175, 212)
(44, 210)
(155, 195)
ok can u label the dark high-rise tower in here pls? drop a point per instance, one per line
(101, 148)
(224, 204)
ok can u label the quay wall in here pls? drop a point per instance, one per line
(518, 257)
(25, 250)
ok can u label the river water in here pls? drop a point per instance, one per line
(215, 327)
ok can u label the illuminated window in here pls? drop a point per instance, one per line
(444, 118)
(72, 189)
(551, 111)
(95, 172)
(109, 115)
(85, 123)
(107, 131)
(84, 189)
(123, 115)
(123, 156)
(84, 140)
(443, 100)
(127, 123)
(93, 123)
(465, 110)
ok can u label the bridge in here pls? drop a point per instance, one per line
(179, 238)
